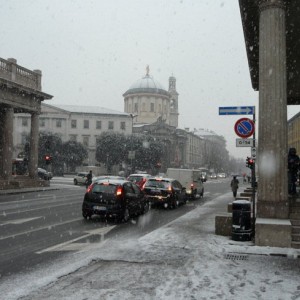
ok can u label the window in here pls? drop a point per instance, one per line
(136, 189)
(58, 123)
(73, 123)
(110, 125)
(152, 107)
(122, 126)
(85, 140)
(24, 122)
(98, 124)
(136, 107)
(42, 122)
(86, 124)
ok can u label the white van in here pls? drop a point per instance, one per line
(190, 179)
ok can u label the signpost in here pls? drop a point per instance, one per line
(244, 128)
(244, 142)
(237, 110)
(253, 152)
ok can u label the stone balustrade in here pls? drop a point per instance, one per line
(10, 70)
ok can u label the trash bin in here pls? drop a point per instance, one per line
(241, 229)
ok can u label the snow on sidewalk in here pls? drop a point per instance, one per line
(182, 260)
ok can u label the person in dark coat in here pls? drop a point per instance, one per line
(293, 167)
(89, 177)
(234, 185)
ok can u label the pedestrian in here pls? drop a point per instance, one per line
(249, 178)
(89, 177)
(234, 186)
(293, 167)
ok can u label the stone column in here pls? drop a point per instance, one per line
(272, 143)
(7, 143)
(34, 142)
(1, 142)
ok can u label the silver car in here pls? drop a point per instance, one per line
(80, 178)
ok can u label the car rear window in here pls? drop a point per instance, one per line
(135, 178)
(162, 184)
(104, 188)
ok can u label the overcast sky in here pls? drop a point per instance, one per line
(91, 52)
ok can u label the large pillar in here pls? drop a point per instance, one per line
(272, 205)
(34, 142)
(7, 143)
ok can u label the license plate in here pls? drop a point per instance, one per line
(99, 208)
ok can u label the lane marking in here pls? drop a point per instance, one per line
(38, 208)
(20, 221)
(40, 199)
(66, 245)
(38, 229)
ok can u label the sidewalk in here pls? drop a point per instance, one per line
(182, 260)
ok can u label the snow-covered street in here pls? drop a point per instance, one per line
(182, 260)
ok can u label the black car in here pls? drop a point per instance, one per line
(165, 192)
(114, 198)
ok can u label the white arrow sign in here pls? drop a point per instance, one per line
(237, 110)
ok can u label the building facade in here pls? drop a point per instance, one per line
(294, 132)
(21, 92)
(82, 124)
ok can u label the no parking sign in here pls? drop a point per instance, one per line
(244, 127)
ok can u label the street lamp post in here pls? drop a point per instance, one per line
(132, 153)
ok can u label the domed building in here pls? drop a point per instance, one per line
(154, 112)
(149, 101)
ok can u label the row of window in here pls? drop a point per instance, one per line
(152, 107)
(86, 124)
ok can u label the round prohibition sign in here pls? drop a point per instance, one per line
(244, 127)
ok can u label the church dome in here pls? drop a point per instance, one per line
(146, 85)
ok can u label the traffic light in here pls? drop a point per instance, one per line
(48, 159)
(250, 162)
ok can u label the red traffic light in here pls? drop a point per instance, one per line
(48, 158)
(250, 162)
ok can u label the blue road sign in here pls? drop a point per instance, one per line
(237, 110)
(244, 127)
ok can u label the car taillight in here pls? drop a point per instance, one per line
(192, 186)
(143, 185)
(89, 188)
(119, 191)
(169, 188)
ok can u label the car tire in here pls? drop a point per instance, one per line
(86, 215)
(126, 215)
(75, 182)
(175, 203)
(146, 207)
